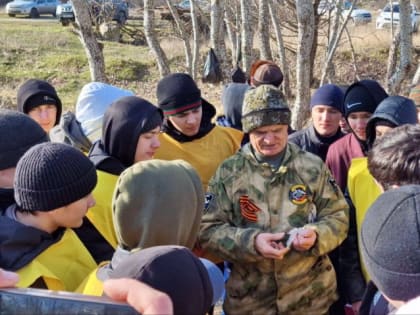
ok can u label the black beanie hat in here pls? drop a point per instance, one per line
(177, 92)
(34, 92)
(52, 175)
(174, 270)
(363, 96)
(18, 133)
(390, 239)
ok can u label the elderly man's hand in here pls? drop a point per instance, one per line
(304, 239)
(268, 245)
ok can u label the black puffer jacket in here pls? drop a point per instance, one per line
(311, 141)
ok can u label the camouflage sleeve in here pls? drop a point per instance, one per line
(218, 234)
(332, 221)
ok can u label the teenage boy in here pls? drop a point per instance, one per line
(52, 187)
(12, 146)
(39, 100)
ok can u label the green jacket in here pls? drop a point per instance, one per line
(247, 198)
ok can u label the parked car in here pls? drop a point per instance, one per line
(33, 8)
(358, 15)
(384, 18)
(100, 9)
(185, 5)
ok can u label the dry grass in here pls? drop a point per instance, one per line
(49, 51)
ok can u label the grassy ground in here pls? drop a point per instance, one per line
(47, 50)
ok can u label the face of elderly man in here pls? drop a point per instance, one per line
(269, 140)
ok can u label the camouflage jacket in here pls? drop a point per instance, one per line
(246, 198)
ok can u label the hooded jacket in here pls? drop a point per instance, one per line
(362, 188)
(232, 98)
(70, 132)
(59, 258)
(94, 99)
(155, 203)
(396, 110)
(123, 123)
(34, 87)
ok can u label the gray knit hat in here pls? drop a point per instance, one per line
(18, 133)
(52, 175)
(390, 242)
(263, 106)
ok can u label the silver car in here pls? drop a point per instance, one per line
(33, 8)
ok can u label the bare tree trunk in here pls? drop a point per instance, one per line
(281, 50)
(416, 77)
(305, 16)
(336, 33)
(264, 31)
(231, 22)
(196, 40)
(246, 35)
(353, 55)
(217, 40)
(183, 33)
(152, 42)
(401, 73)
(392, 59)
(87, 37)
(314, 44)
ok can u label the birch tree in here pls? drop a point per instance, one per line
(395, 79)
(246, 35)
(183, 34)
(217, 38)
(152, 42)
(280, 48)
(305, 18)
(264, 30)
(232, 22)
(196, 40)
(87, 37)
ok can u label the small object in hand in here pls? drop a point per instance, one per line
(289, 237)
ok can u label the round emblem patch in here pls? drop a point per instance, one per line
(298, 195)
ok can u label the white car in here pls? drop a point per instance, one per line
(359, 16)
(33, 8)
(384, 18)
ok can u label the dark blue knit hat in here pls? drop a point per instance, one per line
(52, 175)
(330, 95)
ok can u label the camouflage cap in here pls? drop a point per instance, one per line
(263, 106)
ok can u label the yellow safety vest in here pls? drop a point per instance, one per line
(63, 265)
(363, 191)
(101, 214)
(92, 285)
(204, 154)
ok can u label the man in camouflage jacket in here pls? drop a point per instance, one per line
(267, 189)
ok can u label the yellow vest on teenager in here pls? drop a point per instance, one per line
(92, 285)
(101, 214)
(204, 154)
(363, 191)
(62, 266)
